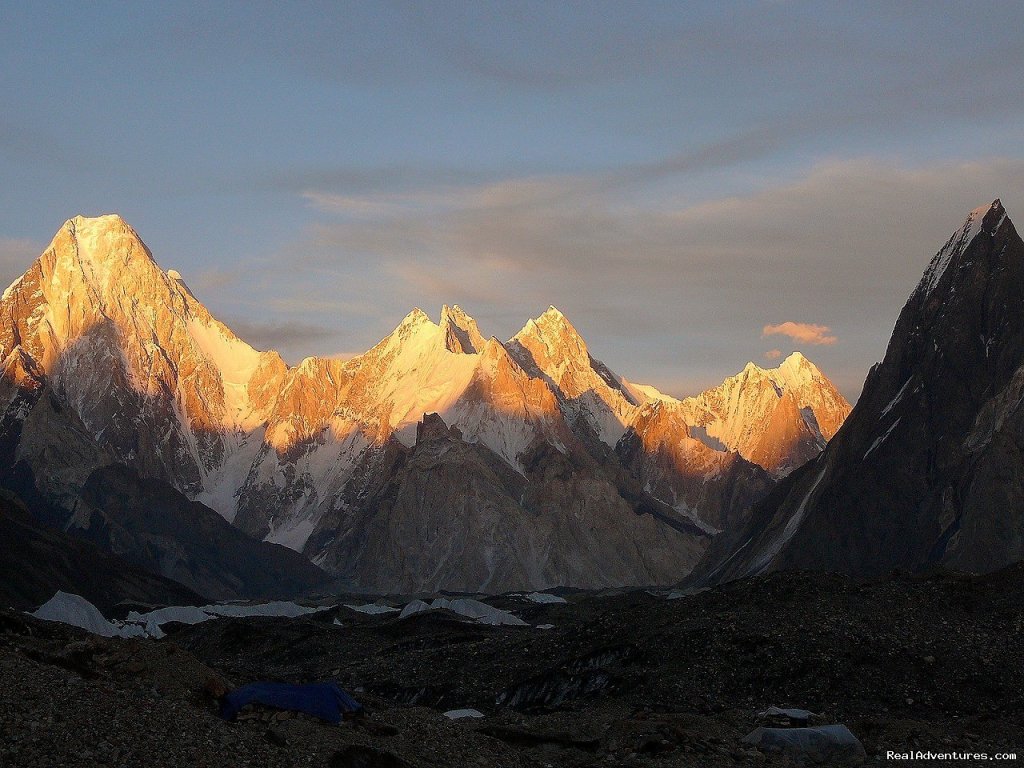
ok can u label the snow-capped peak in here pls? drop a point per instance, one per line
(553, 312)
(798, 369)
(416, 317)
(985, 219)
(554, 332)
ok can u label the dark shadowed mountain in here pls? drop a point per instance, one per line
(36, 561)
(929, 467)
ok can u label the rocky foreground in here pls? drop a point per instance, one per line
(907, 663)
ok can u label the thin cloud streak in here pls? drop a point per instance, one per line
(660, 289)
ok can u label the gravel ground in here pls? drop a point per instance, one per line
(632, 679)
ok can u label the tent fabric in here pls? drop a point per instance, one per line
(826, 741)
(323, 700)
(796, 716)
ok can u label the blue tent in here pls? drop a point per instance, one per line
(324, 700)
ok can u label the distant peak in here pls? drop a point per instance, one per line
(553, 317)
(797, 361)
(415, 317)
(752, 367)
(107, 243)
(551, 327)
(453, 310)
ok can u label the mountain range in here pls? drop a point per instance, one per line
(439, 459)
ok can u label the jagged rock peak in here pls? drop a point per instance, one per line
(432, 427)
(461, 333)
(983, 220)
(416, 317)
(98, 236)
(552, 329)
(791, 372)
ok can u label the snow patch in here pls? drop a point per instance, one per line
(880, 440)
(956, 245)
(293, 534)
(372, 609)
(899, 396)
(278, 608)
(465, 606)
(75, 610)
(791, 528)
(235, 360)
(545, 598)
(701, 434)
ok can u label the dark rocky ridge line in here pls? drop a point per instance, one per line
(929, 467)
(37, 561)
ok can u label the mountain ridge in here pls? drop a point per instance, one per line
(98, 340)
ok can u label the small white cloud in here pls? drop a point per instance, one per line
(804, 333)
(773, 354)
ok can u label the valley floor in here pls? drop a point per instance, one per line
(930, 663)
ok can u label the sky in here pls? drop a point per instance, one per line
(694, 185)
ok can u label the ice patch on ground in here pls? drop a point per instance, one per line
(544, 598)
(459, 714)
(75, 610)
(465, 606)
(373, 609)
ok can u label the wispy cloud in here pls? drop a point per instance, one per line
(802, 333)
(773, 354)
(279, 335)
(844, 245)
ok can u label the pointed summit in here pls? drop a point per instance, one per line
(551, 335)
(415, 317)
(105, 239)
(983, 220)
(549, 344)
(550, 347)
(461, 334)
(796, 371)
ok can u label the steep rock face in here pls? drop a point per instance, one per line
(778, 418)
(143, 366)
(454, 515)
(150, 524)
(36, 561)
(927, 469)
(711, 487)
(591, 396)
